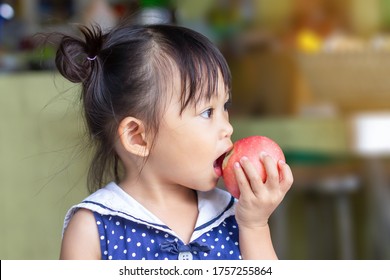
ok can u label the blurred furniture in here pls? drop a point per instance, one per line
(351, 81)
(371, 134)
(264, 80)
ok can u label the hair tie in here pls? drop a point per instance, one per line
(91, 58)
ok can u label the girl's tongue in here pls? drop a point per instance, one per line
(218, 165)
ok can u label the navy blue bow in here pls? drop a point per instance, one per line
(176, 248)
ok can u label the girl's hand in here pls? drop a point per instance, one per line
(259, 199)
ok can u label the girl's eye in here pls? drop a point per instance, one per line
(228, 104)
(207, 113)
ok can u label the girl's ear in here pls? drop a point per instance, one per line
(133, 137)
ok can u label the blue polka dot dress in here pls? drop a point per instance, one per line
(128, 231)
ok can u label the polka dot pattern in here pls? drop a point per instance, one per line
(122, 239)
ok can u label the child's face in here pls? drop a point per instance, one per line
(188, 145)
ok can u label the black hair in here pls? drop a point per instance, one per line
(124, 73)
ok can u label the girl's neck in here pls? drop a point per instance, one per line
(157, 193)
(176, 206)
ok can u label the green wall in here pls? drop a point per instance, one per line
(40, 172)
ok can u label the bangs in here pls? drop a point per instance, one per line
(200, 74)
(199, 62)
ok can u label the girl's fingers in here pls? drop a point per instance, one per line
(271, 169)
(278, 175)
(286, 176)
(241, 179)
(252, 175)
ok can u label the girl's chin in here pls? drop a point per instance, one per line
(209, 187)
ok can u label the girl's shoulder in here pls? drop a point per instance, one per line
(80, 240)
(100, 197)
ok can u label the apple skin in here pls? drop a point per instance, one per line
(250, 147)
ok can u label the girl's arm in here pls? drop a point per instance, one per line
(256, 244)
(257, 202)
(81, 238)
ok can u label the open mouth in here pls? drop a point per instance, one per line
(218, 164)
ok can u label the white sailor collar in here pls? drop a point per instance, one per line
(214, 206)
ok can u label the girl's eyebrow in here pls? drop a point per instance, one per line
(204, 100)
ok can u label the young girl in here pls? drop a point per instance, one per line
(155, 102)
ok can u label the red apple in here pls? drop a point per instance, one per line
(251, 147)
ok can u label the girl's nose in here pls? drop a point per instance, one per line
(227, 129)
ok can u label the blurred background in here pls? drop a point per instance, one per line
(314, 75)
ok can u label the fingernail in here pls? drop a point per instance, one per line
(263, 154)
(282, 161)
(237, 164)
